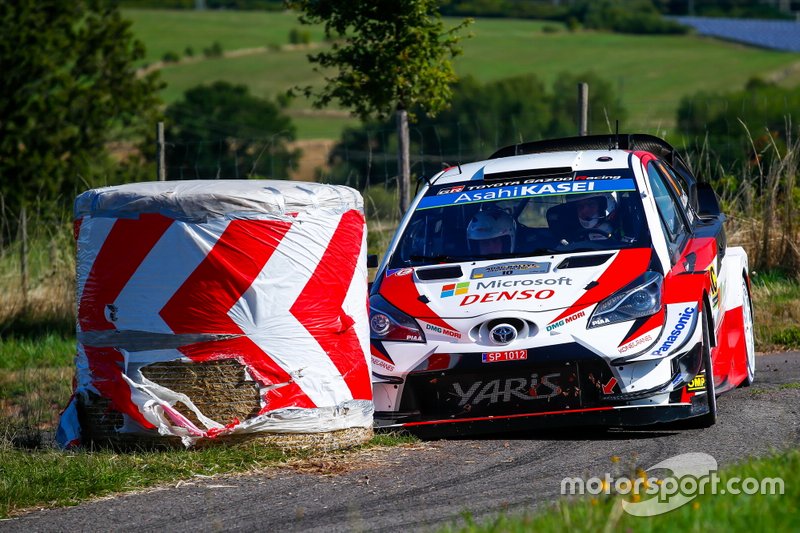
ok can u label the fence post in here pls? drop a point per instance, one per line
(23, 254)
(583, 109)
(162, 172)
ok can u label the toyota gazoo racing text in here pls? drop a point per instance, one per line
(564, 282)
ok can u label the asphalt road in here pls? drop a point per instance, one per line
(431, 484)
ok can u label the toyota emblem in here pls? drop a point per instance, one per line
(503, 333)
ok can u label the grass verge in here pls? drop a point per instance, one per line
(706, 512)
(50, 478)
(776, 304)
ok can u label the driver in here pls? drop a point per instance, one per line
(491, 232)
(595, 215)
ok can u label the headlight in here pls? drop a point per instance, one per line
(640, 298)
(387, 323)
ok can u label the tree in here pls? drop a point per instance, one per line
(69, 86)
(218, 131)
(481, 119)
(388, 56)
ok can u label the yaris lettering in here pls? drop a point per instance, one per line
(502, 390)
(683, 322)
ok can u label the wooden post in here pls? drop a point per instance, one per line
(162, 172)
(583, 109)
(403, 164)
(23, 254)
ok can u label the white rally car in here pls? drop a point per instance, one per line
(575, 281)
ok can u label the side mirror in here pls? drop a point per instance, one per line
(707, 200)
(372, 261)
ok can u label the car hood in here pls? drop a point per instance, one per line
(535, 284)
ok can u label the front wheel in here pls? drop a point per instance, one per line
(710, 418)
(749, 337)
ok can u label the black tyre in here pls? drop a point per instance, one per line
(749, 336)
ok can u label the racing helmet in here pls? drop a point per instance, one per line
(491, 224)
(606, 209)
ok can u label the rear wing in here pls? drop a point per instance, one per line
(631, 141)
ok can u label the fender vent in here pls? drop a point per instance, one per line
(582, 261)
(439, 273)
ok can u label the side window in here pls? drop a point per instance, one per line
(668, 210)
(679, 188)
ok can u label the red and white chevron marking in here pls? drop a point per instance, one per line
(291, 294)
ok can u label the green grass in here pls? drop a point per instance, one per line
(650, 73)
(172, 31)
(47, 350)
(705, 513)
(49, 478)
(776, 305)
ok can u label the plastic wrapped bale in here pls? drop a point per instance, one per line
(221, 309)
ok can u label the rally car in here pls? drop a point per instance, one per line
(578, 281)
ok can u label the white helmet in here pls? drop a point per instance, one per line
(606, 208)
(491, 224)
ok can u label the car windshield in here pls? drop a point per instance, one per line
(477, 220)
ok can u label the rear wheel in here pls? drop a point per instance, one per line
(749, 336)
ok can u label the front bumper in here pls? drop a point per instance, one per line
(557, 386)
(628, 417)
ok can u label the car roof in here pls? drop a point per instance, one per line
(543, 164)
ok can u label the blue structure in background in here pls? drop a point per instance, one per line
(774, 34)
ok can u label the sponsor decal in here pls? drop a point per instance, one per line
(684, 321)
(450, 190)
(442, 331)
(566, 320)
(501, 284)
(603, 177)
(510, 269)
(496, 357)
(523, 191)
(454, 289)
(511, 183)
(503, 390)
(399, 272)
(381, 363)
(499, 296)
(714, 287)
(634, 343)
(697, 384)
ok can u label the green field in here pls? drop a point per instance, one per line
(651, 73)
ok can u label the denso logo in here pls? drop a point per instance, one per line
(677, 331)
(500, 296)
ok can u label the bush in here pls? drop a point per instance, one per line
(170, 57)
(549, 28)
(189, 52)
(299, 36)
(215, 50)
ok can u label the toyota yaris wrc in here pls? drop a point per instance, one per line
(567, 282)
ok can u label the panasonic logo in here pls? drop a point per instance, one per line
(683, 322)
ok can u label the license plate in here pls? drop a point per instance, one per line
(496, 357)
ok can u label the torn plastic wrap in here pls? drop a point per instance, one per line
(261, 281)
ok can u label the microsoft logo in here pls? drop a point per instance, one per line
(454, 289)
